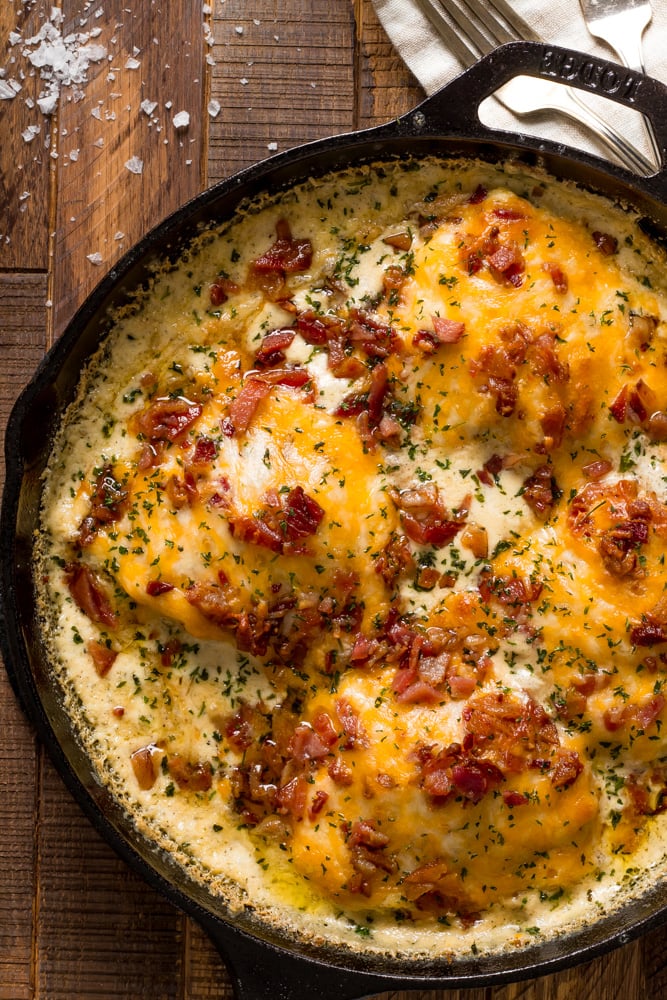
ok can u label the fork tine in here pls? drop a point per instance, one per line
(522, 30)
(468, 24)
(455, 42)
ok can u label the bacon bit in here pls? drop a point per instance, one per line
(154, 588)
(306, 745)
(272, 349)
(445, 331)
(292, 797)
(279, 528)
(364, 832)
(242, 728)
(376, 339)
(181, 492)
(103, 657)
(566, 769)
(212, 602)
(352, 726)
(394, 559)
(340, 773)
(451, 771)
(648, 632)
(287, 255)
(118, 711)
(642, 329)
(205, 451)
(513, 798)
(618, 547)
(540, 492)
(319, 800)
(478, 195)
(512, 591)
(399, 241)
(145, 767)
(316, 331)
(89, 595)
(220, 290)
(244, 407)
(606, 244)
(424, 517)
(641, 716)
(150, 455)
(515, 734)
(377, 393)
(475, 538)
(108, 499)
(166, 419)
(507, 262)
(170, 651)
(323, 725)
(557, 276)
(597, 470)
(193, 777)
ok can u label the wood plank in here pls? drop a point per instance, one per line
(102, 932)
(283, 74)
(104, 207)
(24, 166)
(22, 318)
(386, 86)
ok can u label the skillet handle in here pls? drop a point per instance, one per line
(455, 107)
(262, 971)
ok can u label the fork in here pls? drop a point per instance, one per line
(473, 28)
(621, 24)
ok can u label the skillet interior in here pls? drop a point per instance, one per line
(444, 125)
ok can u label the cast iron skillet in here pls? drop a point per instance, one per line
(265, 963)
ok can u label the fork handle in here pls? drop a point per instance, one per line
(454, 109)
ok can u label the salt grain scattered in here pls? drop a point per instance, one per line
(132, 63)
(181, 119)
(213, 108)
(148, 107)
(31, 132)
(134, 165)
(272, 146)
(94, 258)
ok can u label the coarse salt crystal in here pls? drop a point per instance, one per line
(148, 107)
(31, 132)
(134, 165)
(181, 119)
(213, 108)
(94, 258)
(272, 146)
(132, 63)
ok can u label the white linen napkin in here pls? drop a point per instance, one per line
(559, 22)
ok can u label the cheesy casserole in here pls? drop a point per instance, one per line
(352, 557)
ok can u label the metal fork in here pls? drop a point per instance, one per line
(473, 28)
(621, 24)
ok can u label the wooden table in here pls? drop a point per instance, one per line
(76, 190)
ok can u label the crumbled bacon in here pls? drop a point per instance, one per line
(282, 525)
(605, 242)
(287, 255)
(507, 262)
(558, 277)
(144, 763)
(540, 492)
(102, 656)
(220, 290)
(395, 558)
(424, 517)
(204, 452)
(89, 594)
(445, 331)
(193, 776)
(168, 418)
(244, 406)
(355, 734)
(272, 349)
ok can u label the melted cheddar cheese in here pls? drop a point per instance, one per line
(352, 556)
